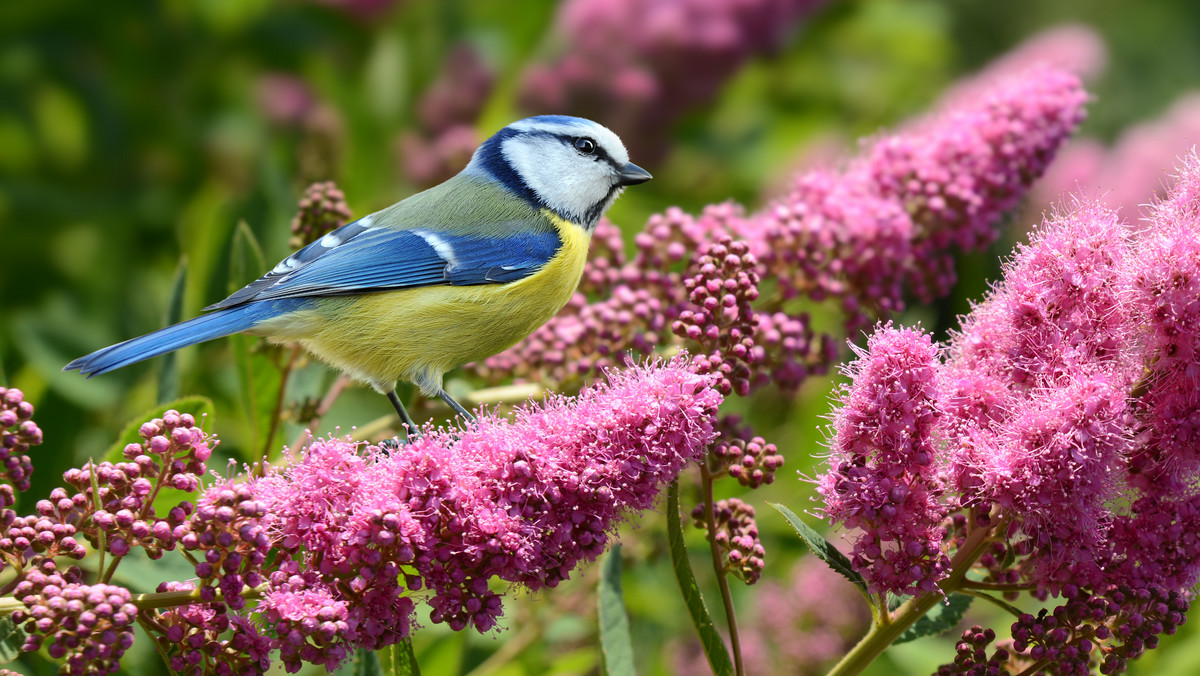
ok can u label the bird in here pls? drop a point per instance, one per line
(447, 276)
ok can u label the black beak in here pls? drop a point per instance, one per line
(632, 174)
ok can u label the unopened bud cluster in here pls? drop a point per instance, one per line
(323, 209)
(736, 537)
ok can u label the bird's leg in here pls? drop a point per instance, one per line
(409, 425)
(458, 408)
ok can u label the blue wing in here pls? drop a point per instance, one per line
(358, 258)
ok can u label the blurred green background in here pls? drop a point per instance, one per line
(137, 135)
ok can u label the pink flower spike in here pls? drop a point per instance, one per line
(883, 477)
(1166, 286)
(524, 500)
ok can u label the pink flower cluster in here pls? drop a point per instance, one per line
(722, 321)
(736, 537)
(17, 433)
(885, 227)
(1088, 631)
(867, 237)
(322, 557)
(883, 480)
(641, 64)
(1065, 408)
(205, 638)
(91, 626)
(752, 462)
(523, 501)
(119, 510)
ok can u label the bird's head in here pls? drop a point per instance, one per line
(572, 166)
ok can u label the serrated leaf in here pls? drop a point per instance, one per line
(823, 548)
(615, 641)
(12, 638)
(168, 373)
(197, 405)
(710, 640)
(940, 618)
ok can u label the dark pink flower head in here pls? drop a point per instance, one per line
(534, 496)
(1054, 469)
(721, 285)
(207, 638)
(1158, 542)
(1166, 289)
(89, 627)
(228, 533)
(1062, 307)
(835, 239)
(959, 171)
(523, 500)
(883, 476)
(735, 537)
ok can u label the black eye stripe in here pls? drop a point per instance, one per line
(599, 153)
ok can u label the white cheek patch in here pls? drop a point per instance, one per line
(563, 180)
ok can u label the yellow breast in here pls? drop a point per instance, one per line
(419, 334)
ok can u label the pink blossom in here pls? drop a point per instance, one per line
(1166, 290)
(883, 478)
(523, 500)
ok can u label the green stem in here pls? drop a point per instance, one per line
(327, 402)
(885, 634)
(735, 646)
(1008, 607)
(997, 586)
(278, 412)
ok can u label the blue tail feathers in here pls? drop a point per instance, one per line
(196, 330)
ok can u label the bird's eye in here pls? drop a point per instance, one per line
(585, 145)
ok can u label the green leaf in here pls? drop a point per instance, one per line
(259, 382)
(615, 641)
(400, 660)
(942, 617)
(823, 548)
(367, 663)
(197, 405)
(246, 258)
(258, 378)
(12, 638)
(168, 374)
(710, 640)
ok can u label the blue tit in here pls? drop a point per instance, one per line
(448, 276)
